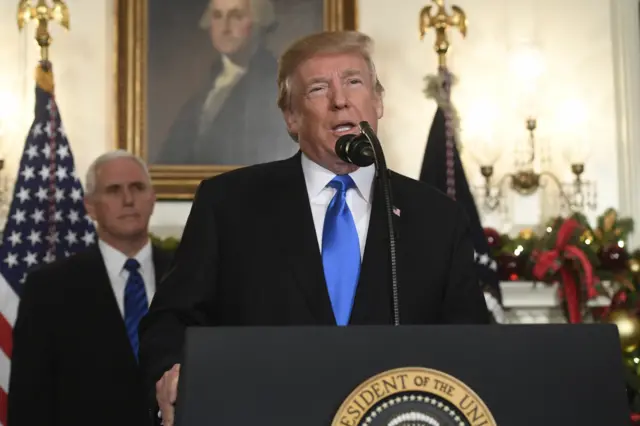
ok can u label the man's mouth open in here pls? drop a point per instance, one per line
(344, 128)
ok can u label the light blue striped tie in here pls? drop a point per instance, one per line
(341, 251)
(135, 302)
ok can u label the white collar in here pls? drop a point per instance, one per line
(317, 178)
(114, 259)
(231, 67)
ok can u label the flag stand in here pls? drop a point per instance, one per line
(47, 219)
(442, 166)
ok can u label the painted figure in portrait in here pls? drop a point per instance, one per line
(233, 118)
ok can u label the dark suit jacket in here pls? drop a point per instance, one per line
(249, 256)
(72, 362)
(249, 117)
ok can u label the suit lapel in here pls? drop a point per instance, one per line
(98, 273)
(107, 305)
(297, 236)
(372, 302)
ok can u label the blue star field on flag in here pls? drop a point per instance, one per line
(47, 219)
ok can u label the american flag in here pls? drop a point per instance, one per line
(47, 219)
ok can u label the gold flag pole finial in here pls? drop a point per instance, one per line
(43, 13)
(442, 22)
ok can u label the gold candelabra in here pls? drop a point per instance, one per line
(43, 14)
(575, 195)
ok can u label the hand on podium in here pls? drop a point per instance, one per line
(166, 394)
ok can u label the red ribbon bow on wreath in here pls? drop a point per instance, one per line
(561, 259)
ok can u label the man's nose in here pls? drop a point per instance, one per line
(127, 197)
(339, 98)
(226, 24)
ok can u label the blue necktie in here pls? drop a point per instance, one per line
(341, 251)
(135, 302)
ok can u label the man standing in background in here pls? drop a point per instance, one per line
(75, 338)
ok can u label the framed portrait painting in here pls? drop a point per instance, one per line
(196, 82)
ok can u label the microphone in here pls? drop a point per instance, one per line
(363, 150)
(355, 149)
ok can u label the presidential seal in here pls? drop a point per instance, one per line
(413, 396)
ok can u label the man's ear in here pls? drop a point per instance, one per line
(292, 120)
(154, 198)
(379, 105)
(89, 206)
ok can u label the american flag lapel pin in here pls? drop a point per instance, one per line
(396, 211)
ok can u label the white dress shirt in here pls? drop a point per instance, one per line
(114, 261)
(320, 195)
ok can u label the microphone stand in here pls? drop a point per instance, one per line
(382, 173)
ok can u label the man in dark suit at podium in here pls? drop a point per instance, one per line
(304, 241)
(75, 338)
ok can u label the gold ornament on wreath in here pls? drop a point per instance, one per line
(526, 234)
(628, 327)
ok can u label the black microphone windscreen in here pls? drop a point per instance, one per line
(355, 149)
(342, 146)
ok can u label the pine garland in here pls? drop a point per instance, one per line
(611, 232)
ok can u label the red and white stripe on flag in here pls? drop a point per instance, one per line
(8, 311)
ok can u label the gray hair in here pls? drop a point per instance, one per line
(92, 172)
(262, 12)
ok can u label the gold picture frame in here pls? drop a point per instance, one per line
(171, 182)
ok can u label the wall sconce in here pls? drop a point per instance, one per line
(525, 180)
(531, 169)
(572, 119)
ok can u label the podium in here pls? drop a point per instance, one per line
(506, 375)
